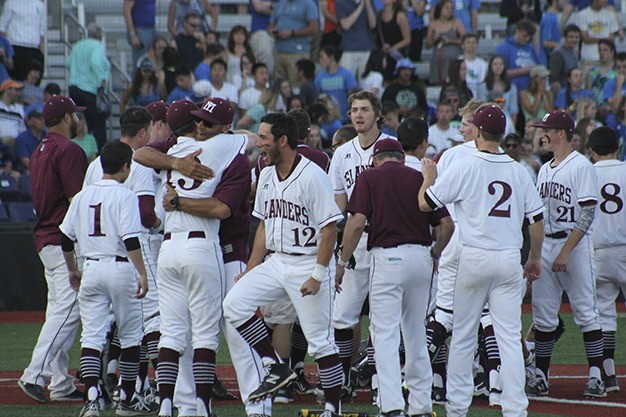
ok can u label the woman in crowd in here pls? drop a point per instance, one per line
(497, 82)
(393, 34)
(84, 139)
(456, 78)
(536, 101)
(568, 97)
(244, 79)
(238, 45)
(372, 77)
(144, 88)
(444, 36)
(586, 107)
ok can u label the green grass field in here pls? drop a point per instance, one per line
(19, 339)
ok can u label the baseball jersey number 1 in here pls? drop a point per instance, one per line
(306, 232)
(506, 194)
(613, 198)
(97, 230)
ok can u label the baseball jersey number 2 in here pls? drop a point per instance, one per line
(97, 211)
(308, 233)
(611, 198)
(506, 194)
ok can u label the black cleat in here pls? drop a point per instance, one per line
(279, 375)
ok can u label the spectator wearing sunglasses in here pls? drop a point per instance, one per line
(512, 145)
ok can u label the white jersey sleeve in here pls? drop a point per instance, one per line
(609, 227)
(564, 188)
(94, 173)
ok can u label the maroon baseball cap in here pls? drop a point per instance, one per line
(158, 110)
(557, 120)
(216, 110)
(490, 119)
(179, 113)
(387, 145)
(59, 106)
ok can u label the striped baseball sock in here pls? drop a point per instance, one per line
(608, 364)
(331, 379)
(371, 362)
(439, 367)
(114, 353)
(90, 367)
(143, 365)
(204, 375)
(594, 348)
(167, 371)
(254, 332)
(299, 346)
(344, 339)
(129, 368)
(544, 346)
(491, 350)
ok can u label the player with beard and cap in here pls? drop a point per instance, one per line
(490, 191)
(57, 171)
(228, 203)
(568, 186)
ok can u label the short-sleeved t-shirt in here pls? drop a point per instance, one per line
(387, 196)
(57, 171)
(293, 15)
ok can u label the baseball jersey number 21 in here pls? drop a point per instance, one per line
(307, 233)
(496, 211)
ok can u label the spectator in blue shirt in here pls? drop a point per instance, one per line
(568, 97)
(28, 140)
(6, 58)
(140, 19)
(335, 80)
(519, 54)
(549, 31)
(184, 84)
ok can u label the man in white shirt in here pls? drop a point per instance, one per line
(220, 88)
(250, 96)
(11, 111)
(476, 66)
(596, 22)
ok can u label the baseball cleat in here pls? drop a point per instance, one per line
(136, 407)
(75, 395)
(537, 387)
(279, 375)
(90, 409)
(221, 393)
(480, 385)
(300, 384)
(438, 395)
(595, 389)
(347, 393)
(34, 391)
(284, 395)
(610, 383)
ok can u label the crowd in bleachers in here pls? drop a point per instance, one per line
(310, 54)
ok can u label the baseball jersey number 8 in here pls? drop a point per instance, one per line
(506, 194)
(307, 231)
(611, 198)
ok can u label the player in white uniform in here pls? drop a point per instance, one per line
(136, 124)
(349, 160)
(190, 271)
(104, 218)
(609, 241)
(298, 221)
(568, 187)
(490, 192)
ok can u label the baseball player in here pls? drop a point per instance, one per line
(190, 271)
(490, 191)
(294, 202)
(136, 124)
(104, 218)
(348, 162)
(609, 241)
(568, 186)
(230, 204)
(399, 241)
(57, 170)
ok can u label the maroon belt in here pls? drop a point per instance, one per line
(191, 235)
(117, 259)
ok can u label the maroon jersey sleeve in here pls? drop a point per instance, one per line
(234, 186)
(72, 168)
(146, 210)
(360, 200)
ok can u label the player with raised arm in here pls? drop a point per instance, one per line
(104, 218)
(609, 241)
(489, 191)
(568, 186)
(348, 162)
(298, 222)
